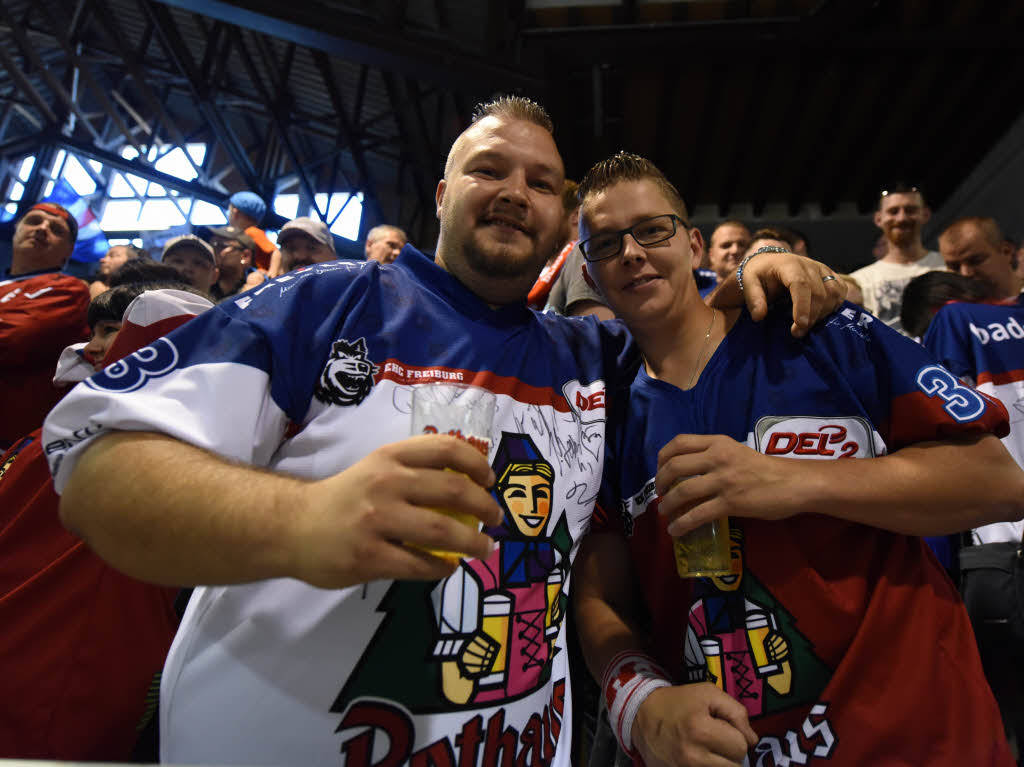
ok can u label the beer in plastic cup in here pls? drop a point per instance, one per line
(461, 411)
(703, 551)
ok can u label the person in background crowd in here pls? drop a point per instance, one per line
(562, 287)
(975, 247)
(982, 342)
(929, 292)
(115, 257)
(235, 252)
(384, 243)
(305, 241)
(791, 650)
(42, 310)
(194, 258)
(901, 214)
(83, 641)
(727, 245)
(309, 503)
(245, 211)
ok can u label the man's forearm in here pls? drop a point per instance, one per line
(170, 513)
(931, 488)
(924, 489)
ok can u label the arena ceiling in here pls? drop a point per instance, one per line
(762, 109)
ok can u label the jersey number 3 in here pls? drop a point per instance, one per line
(962, 402)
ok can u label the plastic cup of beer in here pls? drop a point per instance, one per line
(461, 411)
(704, 551)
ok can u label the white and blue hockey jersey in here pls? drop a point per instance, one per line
(984, 344)
(306, 375)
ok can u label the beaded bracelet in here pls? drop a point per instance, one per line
(743, 263)
(629, 679)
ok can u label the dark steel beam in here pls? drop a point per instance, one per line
(26, 87)
(346, 137)
(117, 162)
(411, 134)
(85, 71)
(29, 52)
(362, 43)
(175, 49)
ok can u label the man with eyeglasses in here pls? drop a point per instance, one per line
(901, 214)
(834, 633)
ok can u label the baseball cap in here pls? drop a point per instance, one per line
(313, 227)
(250, 203)
(233, 233)
(55, 209)
(189, 241)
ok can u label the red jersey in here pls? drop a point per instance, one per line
(81, 641)
(40, 314)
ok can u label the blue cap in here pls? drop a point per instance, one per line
(250, 203)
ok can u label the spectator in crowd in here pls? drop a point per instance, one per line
(562, 287)
(115, 257)
(770, 237)
(727, 245)
(245, 211)
(975, 247)
(305, 241)
(143, 270)
(801, 245)
(194, 258)
(901, 214)
(792, 650)
(235, 252)
(929, 292)
(982, 342)
(313, 381)
(83, 642)
(42, 310)
(384, 243)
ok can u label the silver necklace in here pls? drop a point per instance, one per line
(703, 348)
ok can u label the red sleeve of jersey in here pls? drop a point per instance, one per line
(40, 316)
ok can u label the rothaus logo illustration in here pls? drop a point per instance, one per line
(132, 372)
(997, 331)
(814, 437)
(348, 376)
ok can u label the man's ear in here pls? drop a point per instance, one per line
(439, 198)
(926, 213)
(877, 218)
(247, 258)
(696, 248)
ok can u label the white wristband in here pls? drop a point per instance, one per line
(629, 679)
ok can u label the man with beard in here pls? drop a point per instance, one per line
(901, 214)
(116, 256)
(312, 508)
(42, 310)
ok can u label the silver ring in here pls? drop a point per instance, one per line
(828, 277)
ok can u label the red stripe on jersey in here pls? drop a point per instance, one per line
(916, 417)
(998, 379)
(394, 370)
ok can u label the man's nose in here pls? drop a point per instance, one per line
(631, 249)
(515, 187)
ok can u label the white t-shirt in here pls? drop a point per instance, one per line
(882, 285)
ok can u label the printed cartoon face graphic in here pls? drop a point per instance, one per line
(526, 495)
(731, 582)
(348, 376)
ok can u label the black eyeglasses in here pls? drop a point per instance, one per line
(650, 231)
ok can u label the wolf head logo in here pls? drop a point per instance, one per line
(348, 376)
